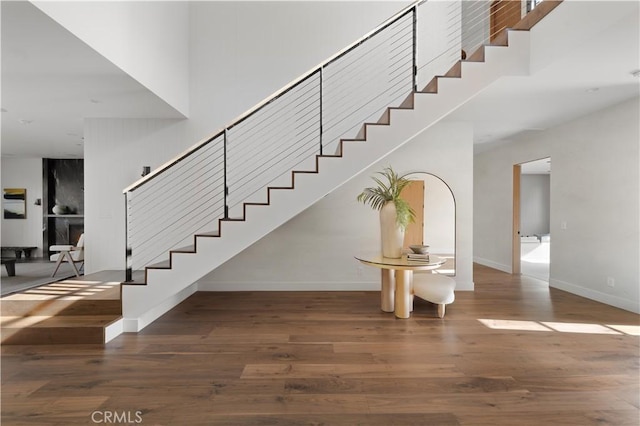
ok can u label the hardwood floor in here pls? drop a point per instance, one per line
(511, 353)
(74, 310)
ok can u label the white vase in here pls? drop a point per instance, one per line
(392, 235)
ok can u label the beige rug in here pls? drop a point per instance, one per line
(32, 274)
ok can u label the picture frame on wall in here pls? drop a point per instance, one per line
(14, 203)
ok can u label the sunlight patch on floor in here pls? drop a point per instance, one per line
(568, 327)
(632, 330)
(65, 290)
(513, 325)
(562, 327)
(541, 254)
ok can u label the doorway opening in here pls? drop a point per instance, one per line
(532, 237)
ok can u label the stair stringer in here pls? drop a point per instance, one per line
(165, 288)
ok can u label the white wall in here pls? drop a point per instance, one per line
(439, 216)
(594, 190)
(148, 40)
(115, 150)
(24, 173)
(315, 249)
(242, 52)
(239, 53)
(475, 22)
(534, 204)
(439, 38)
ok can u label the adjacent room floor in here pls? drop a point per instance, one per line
(535, 259)
(32, 273)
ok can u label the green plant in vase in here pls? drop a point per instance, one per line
(395, 212)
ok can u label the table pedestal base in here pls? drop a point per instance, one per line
(403, 293)
(388, 290)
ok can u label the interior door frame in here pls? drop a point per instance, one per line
(516, 266)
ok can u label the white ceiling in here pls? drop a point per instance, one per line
(51, 81)
(593, 76)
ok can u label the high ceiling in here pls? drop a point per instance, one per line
(51, 81)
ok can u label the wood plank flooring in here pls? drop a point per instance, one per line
(514, 352)
(75, 310)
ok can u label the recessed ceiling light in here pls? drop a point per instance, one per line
(635, 73)
(592, 89)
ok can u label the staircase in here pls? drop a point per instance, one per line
(160, 286)
(55, 315)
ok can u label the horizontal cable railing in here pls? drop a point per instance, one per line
(286, 131)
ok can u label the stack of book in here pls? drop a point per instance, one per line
(414, 257)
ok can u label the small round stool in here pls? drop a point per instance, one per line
(435, 288)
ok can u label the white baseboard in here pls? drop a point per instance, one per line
(464, 285)
(130, 325)
(608, 299)
(113, 330)
(289, 286)
(134, 325)
(492, 264)
(306, 286)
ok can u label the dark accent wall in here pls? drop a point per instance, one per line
(63, 183)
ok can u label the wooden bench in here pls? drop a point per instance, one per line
(10, 265)
(18, 250)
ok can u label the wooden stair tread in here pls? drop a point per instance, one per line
(73, 311)
(536, 15)
(455, 71)
(477, 56)
(24, 307)
(280, 187)
(137, 278)
(165, 264)
(47, 321)
(56, 330)
(208, 234)
(186, 249)
(431, 87)
(66, 293)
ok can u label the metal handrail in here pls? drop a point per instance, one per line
(272, 97)
(293, 126)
